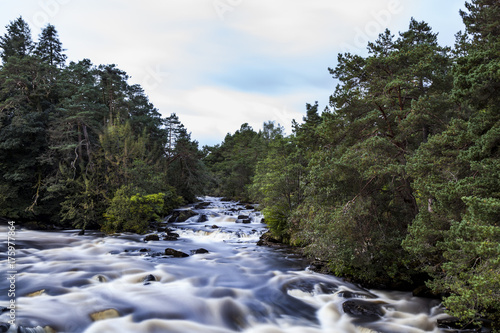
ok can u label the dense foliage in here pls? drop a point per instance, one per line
(81, 147)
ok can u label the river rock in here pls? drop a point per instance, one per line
(171, 236)
(202, 205)
(202, 218)
(152, 237)
(4, 327)
(352, 294)
(100, 278)
(268, 240)
(49, 329)
(175, 253)
(181, 215)
(36, 293)
(363, 309)
(147, 279)
(22, 329)
(199, 251)
(105, 314)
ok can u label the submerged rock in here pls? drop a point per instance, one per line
(181, 215)
(105, 314)
(352, 294)
(202, 205)
(147, 279)
(38, 329)
(36, 293)
(4, 327)
(199, 251)
(152, 237)
(363, 309)
(175, 253)
(100, 278)
(170, 235)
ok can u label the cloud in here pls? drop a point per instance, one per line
(300, 27)
(212, 112)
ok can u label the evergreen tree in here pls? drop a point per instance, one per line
(185, 171)
(17, 42)
(49, 48)
(25, 107)
(359, 199)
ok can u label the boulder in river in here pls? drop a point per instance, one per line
(147, 279)
(181, 215)
(363, 309)
(267, 239)
(174, 253)
(152, 237)
(199, 251)
(202, 205)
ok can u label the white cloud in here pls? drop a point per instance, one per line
(301, 27)
(211, 112)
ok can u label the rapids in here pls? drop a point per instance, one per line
(64, 281)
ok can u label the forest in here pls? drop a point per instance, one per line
(396, 183)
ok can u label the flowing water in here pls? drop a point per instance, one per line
(95, 284)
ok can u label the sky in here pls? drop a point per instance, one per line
(218, 64)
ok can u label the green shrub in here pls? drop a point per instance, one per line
(133, 213)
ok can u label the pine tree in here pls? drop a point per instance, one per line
(49, 48)
(17, 42)
(359, 195)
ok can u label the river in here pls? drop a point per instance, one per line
(65, 282)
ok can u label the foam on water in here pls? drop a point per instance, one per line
(63, 279)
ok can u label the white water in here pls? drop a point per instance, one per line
(236, 287)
